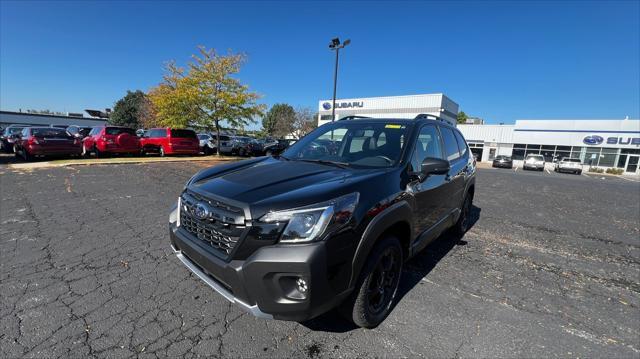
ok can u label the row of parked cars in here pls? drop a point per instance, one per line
(30, 142)
(537, 162)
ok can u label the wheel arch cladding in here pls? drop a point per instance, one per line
(394, 220)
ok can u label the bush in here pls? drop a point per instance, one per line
(596, 170)
(615, 171)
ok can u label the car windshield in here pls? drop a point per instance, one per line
(571, 160)
(52, 132)
(183, 133)
(114, 131)
(352, 143)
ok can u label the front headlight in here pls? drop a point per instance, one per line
(308, 223)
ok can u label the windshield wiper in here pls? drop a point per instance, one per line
(326, 162)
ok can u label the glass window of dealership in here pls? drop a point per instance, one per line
(600, 143)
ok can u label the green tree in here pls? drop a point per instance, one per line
(305, 122)
(205, 94)
(462, 117)
(278, 122)
(128, 110)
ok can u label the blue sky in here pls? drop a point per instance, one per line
(501, 61)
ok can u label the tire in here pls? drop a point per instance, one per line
(579, 172)
(462, 225)
(377, 287)
(26, 155)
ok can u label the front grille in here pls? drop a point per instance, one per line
(221, 236)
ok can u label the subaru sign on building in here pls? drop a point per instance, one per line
(408, 106)
(599, 143)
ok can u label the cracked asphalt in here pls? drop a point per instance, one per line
(551, 268)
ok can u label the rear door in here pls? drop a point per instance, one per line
(458, 166)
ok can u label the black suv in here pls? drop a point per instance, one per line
(293, 236)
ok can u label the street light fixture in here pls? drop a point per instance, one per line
(336, 45)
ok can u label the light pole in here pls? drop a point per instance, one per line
(336, 45)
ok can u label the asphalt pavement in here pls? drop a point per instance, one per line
(550, 268)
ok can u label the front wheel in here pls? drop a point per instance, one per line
(373, 297)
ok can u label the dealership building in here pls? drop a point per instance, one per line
(600, 143)
(96, 118)
(391, 106)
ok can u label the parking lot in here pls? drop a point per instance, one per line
(550, 268)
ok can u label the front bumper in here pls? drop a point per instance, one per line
(264, 283)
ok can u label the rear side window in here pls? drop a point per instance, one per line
(49, 132)
(183, 133)
(118, 130)
(462, 144)
(450, 144)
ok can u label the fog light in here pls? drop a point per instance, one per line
(302, 285)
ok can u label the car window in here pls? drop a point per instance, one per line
(183, 133)
(428, 144)
(462, 144)
(361, 144)
(571, 160)
(450, 144)
(25, 132)
(52, 132)
(158, 133)
(203, 137)
(95, 131)
(72, 130)
(114, 131)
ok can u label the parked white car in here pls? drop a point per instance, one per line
(572, 165)
(533, 162)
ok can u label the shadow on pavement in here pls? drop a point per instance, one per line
(416, 269)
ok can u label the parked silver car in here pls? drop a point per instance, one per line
(533, 162)
(207, 143)
(572, 165)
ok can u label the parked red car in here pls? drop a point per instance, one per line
(170, 141)
(105, 140)
(46, 141)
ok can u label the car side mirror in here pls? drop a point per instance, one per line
(434, 166)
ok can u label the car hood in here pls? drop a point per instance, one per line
(268, 183)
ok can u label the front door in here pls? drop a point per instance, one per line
(431, 194)
(632, 164)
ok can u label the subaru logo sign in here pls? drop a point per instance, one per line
(201, 211)
(326, 106)
(593, 140)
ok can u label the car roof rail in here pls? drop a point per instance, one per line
(426, 116)
(352, 117)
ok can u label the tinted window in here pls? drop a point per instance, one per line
(462, 144)
(118, 130)
(52, 132)
(427, 145)
(14, 130)
(450, 144)
(158, 133)
(183, 133)
(72, 130)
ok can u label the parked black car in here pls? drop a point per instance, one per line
(293, 236)
(250, 147)
(503, 162)
(274, 147)
(9, 137)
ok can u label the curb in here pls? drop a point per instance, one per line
(116, 161)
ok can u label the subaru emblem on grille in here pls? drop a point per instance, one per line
(201, 211)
